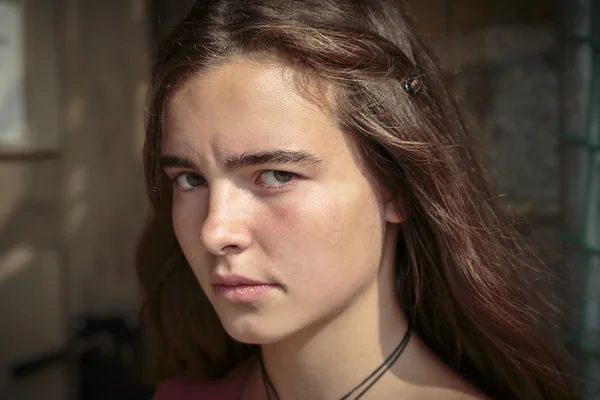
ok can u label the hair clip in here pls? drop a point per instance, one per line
(414, 84)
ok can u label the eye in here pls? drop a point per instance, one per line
(276, 178)
(189, 181)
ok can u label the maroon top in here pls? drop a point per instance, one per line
(228, 388)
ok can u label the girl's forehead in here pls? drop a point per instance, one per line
(264, 81)
(242, 98)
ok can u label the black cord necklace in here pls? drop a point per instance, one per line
(368, 381)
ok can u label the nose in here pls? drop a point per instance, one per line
(224, 230)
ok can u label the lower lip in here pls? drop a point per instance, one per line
(242, 293)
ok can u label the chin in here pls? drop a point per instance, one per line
(252, 329)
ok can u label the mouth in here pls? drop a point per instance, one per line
(240, 289)
(242, 293)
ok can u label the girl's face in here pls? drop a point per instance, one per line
(271, 207)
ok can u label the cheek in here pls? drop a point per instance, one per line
(327, 235)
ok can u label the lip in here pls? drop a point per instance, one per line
(242, 293)
(235, 280)
(240, 289)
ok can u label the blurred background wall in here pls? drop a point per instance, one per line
(73, 80)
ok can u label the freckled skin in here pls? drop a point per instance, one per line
(321, 238)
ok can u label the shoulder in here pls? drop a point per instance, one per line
(228, 388)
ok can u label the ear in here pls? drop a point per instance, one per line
(395, 213)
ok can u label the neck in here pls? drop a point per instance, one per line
(329, 360)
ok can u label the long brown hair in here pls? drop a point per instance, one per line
(462, 274)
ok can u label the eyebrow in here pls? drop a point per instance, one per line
(233, 162)
(270, 157)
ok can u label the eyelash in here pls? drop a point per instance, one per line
(292, 181)
(176, 184)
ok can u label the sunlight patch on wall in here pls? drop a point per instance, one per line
(14, 260)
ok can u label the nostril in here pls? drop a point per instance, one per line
(231, 249)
